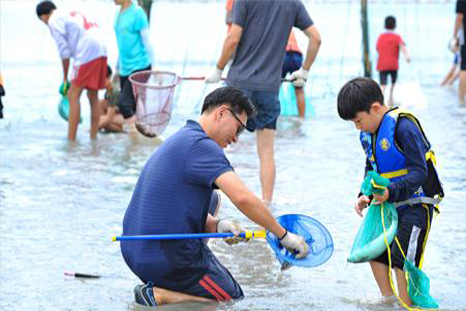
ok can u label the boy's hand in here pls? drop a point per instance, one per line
(381, 198)
(361, 204)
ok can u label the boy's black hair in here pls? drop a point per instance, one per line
(358, 95)
(390, 22)
(45, 7)
(109, 71)
(231, 96)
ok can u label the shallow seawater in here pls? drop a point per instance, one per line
(60, 203)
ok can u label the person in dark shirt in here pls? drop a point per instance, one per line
(174, 194)
(397, 149)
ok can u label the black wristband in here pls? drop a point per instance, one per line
(286, 232)
(216, 226)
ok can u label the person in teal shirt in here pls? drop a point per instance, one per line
(135, 52)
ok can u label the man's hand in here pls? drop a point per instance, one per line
(226, 226)
(361, 204)
(295, 244)
(215, 77)
(299, 77)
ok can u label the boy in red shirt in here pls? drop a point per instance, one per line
(388, 47)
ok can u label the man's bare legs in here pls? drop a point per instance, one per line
(462, 86)
(300, 101)
(165, 296)
(265, 150)
(75, 110)
(391, 103)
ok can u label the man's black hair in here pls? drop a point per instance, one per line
(231, 96)
(45, 7)
(390, 22)
(109, 71)
(358, 95)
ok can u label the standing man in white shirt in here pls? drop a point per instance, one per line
(76, 38)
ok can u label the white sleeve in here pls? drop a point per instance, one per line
(58, 31)
(145, 40)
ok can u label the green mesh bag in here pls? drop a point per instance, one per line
(369, 242)
(419, 287)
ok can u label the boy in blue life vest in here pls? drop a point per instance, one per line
(396, 148)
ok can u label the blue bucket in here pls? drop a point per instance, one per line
(316, 235)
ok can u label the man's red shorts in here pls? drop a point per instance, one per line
(91, 75)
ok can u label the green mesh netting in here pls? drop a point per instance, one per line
(419, 287)
(369, 242)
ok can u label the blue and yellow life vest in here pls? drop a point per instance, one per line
(388, 159)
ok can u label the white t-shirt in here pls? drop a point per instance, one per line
(76, 37)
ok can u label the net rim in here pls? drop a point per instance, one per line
(140, 84)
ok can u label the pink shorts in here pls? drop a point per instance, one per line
(91, 75)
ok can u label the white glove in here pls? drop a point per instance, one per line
(226, 226)
(214, 77)
(295, 243)
(299, 77)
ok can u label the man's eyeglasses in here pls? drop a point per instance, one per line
(242, 125)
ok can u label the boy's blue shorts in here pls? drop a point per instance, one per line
(267, 107)
(293, 61)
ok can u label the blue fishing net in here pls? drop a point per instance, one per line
(369, 242)
(316, 235)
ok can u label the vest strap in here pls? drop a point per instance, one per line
(395, 174)
(419, 200)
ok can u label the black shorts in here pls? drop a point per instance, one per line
(126, 101)
(385, 73)
(412, 238)
(293, 61)
(463, 57)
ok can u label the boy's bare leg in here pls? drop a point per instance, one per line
(95, 112)
(402, 286)
(75, 110)
(165, 296)
(300, 101)
(380, 272)
(449, 76)
(265, 150)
